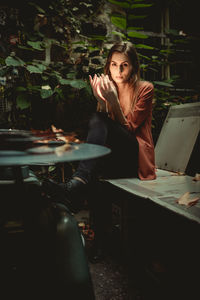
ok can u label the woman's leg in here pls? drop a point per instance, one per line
(97, 134)
(124, 146)
(122, 160)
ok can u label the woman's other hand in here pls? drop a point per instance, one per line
(108, 90)
(95, 84)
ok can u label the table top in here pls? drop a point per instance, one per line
(52, 155)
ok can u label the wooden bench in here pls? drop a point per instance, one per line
(159, 238)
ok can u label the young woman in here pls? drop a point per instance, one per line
(122, 121)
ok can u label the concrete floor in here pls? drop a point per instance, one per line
(110, 276)
(114, 279)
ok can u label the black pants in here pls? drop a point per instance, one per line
(121, 162)
(123, 159)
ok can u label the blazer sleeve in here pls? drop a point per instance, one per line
(142, 108)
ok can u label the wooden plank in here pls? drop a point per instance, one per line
(164, 191)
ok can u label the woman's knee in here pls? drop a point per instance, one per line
(97, 119)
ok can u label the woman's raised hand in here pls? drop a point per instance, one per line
(95, 84)
(108, 89)
(104, 91)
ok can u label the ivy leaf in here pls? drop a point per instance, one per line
(41, 66)
(59, 93)
(14, 61)
(36, 69)
(140, 5)
(93, 48)
(163, 83)
(134, 28)
(144, 56)
(22, 101)
(63, 81)
(76, 83)
(97, 37)
(33, 88)
(21, 89)
(70, 75)
(118, 33)
(134, 17)
(143, 66)
(46, 93)
(120, 3)
(37, 7)
(142, 46)
(25, 48)
(119, 22)
(35, 45)
(137, 34)
(79, 42)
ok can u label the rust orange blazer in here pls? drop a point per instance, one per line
(139, 121)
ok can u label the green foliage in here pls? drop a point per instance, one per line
(14, 61)
(42, 57)
(119, 21)
(55, 53)
(22, 101)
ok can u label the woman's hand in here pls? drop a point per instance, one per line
(95, 83)
(108, 90)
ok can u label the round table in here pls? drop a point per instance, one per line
(52, 155)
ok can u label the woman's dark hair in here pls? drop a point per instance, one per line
(128, 49)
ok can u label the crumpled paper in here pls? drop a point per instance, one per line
(186, 200)
(196, 177)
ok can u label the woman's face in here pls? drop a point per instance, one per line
(120, 68)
